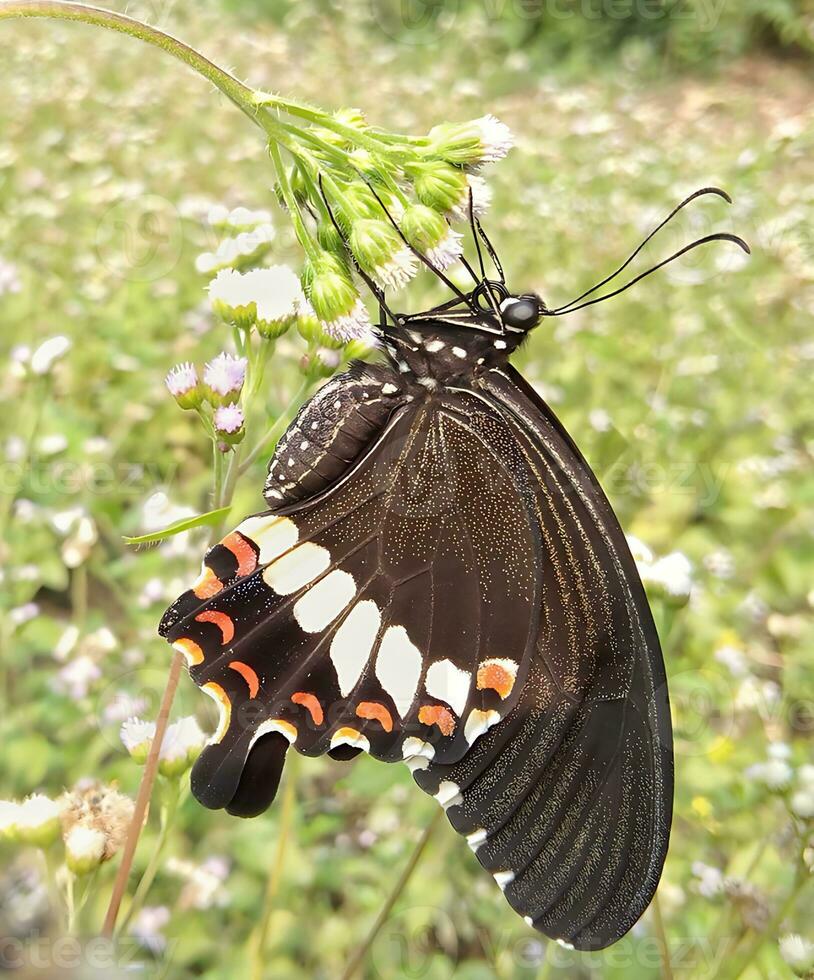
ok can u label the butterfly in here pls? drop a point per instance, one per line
(440, 580)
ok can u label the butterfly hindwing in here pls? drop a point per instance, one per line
(568, 801)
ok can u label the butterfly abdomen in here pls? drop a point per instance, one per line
(331, 431)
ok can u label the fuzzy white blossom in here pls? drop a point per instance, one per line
(447, 251)
(710, 880)
(182, 379)
(225, 374)
(774, 773)
(798, 953)
(478, 192)
(229, 419)
(397, 270)
(38, 820)
(352, 326)
(84, 849)
(495, 136)
(48, 353)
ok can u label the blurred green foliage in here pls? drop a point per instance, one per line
(691, 395)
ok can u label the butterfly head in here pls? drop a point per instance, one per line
(521, 313)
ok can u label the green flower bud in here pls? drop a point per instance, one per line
(471, 143)
(437, 184)
(329, 237)
(329, 287)
(373, 242)
(423, 227)
(310, 329)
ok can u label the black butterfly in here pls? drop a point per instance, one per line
(440, 580)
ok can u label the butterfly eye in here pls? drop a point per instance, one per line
(522, 313)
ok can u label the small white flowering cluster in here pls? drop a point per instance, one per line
(798, 954)
(92, 823)
(41, 360)
(365, 200)
(777, 774)
(669, 576)
(180, 747)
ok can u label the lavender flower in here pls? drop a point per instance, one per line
(182, 384)
(229, 419)
(224, 377)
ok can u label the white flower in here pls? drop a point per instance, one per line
(182, 744)
(225, 374)
(672, 573)
(397, 271)
(495, 136)
(229, 419)
(84, 849)
(806, 776)
(181, 379)
(52, 444)
(447, 251)
(481, 196)
(78, 545)
(353, 326)
(204, 886)
(779, 750)
(277, 292)
(733, 659)
(123, 706)
(798, 953)
(774, 773)
(9, 280)
(48, 353)
(76, 677)
(600, 419)
(642, 555)
(21, 615)
(137, 737)
(9, 818)
(147, 926)
(100, 642)
(38, 820)
(710, 880)
(802, 802)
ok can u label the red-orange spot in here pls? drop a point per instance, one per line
(248, 675)
(243, 552)
(221, 620)
(309, 702)
(437, 714)
(208, 584)
(375, 712)
(496, 678)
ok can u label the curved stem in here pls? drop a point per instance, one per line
(242, 96)
(359, 956)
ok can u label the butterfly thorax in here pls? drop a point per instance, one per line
(431, 352)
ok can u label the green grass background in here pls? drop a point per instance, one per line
(691, 396)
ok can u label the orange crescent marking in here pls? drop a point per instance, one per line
(375, 712)
(248, 675)
(437, 714)
(243, 552)
(208, 584)
(496, 678)
(190, 649)
(221, 620)
(310, 702)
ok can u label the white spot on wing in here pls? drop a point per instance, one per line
(449, 794)
(349, 736)
(459, 352)
(448, 683)
(476, 838)
(503, 878)
(353, 642)
(296, 569)
(389, 388)
(398, 667)
(479, 722)
(323, 602)
(433, 346)
(272, 535)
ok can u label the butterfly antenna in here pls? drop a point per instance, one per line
(462, 297)
(378, 293)
(688, 200)
(717, 237)
(485, 283)
(491, 250)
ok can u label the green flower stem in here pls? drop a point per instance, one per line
(302, 233)
(361, 952)
(279, 424)
(241, 95)
(168, 812)
(661, 937)
(259, 938)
